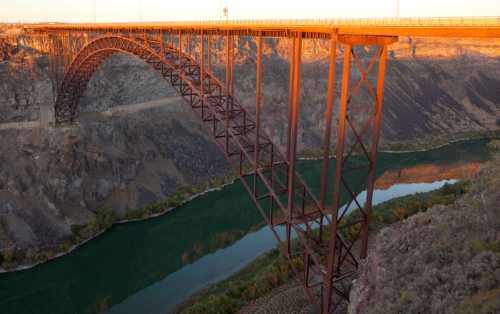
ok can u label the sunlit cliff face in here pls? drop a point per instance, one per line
(427, 174)
(406, 47)
(438, 48)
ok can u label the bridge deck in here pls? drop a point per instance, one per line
(486, 27)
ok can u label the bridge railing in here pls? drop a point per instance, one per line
(483, 21)
(430, 22)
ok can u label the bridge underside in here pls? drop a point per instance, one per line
(323, 242)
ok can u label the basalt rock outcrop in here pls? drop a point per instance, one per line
(51, 179)
(446, 260)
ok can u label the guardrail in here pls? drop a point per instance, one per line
(479, 21)
(410, 21)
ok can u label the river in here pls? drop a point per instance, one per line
(152, 266)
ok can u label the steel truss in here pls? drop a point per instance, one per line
(326, 250)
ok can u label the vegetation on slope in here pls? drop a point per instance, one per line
(446, 260)
(271, 270)
(104, 218)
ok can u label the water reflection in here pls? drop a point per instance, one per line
(150, 266)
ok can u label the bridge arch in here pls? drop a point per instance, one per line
(183, 72)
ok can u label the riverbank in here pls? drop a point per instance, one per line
(270, 271)
(15, 260)
(182, 196)
(404, 149)
(168, 259)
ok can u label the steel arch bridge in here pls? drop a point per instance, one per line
(327, 250)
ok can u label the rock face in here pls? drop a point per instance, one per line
(446, 260)
(434, 90)
(123, 80)
(51, 179)
(24, 83)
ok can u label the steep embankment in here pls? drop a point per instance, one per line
(52, 179)
(446, 260)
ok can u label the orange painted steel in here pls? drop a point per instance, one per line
(436, 27)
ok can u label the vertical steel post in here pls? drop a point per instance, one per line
(292, 43)
(188, 44)
(328, 119)
(293, 134)
(258, 77)
(202, 66)
(373, 152)
(145, 38)
(180, 51)
(162, 45)
(209, 53)
(228, 88)
(328, 281)
(228, 65)
(232, 66)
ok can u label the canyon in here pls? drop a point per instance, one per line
(54, 178)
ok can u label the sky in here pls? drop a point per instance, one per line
(174, 10)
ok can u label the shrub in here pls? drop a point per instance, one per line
(8, 259)
(215, 304)
(399, 212)
(105, 217)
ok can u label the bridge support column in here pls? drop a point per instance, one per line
(202, 66)
(180, 51)
(292, 140)
(258, 85)
(328, 127)
(358, 132)
(162, 44)
(292, 44)
(209, 53)
(229, 86)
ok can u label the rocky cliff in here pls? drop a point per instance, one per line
(446, 260)
(51, 179)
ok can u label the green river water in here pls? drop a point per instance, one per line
(152, 266)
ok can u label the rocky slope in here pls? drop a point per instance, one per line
(446, 260)
(51, 179)
(435, 89)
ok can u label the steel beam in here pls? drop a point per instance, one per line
(258, 84)
(293, 134)
(228, 89)
(162, 44)
(373, 152)
(328, 119)
(292, 44)
(209, 53)
(339, 155)
(180, 51)
(202, 66)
